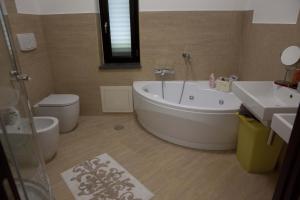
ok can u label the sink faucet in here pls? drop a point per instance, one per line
(163, 72)
(10, 116)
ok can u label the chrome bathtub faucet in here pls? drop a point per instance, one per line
(187, 56)
(163, 72)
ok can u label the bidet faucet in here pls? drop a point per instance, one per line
(10, 116)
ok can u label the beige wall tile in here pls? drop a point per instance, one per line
(34, 63)
(74, 46)
(222, 42)
(262, 47)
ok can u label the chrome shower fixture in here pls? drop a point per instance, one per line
(187, 56)
(162, 72)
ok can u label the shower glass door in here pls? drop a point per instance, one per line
(17, 133)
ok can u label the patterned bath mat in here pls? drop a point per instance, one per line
(103, 178)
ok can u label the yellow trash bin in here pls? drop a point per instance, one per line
(253, 152)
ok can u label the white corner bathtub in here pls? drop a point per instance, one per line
(205, 119)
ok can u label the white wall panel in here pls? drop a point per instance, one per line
(28, 6)
(265, 11)
(68, 6)
(275, 11)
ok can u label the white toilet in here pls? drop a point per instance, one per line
(65, 107)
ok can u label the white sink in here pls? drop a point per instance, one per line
(264, 98)
(282, 124)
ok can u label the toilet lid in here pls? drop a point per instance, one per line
(59, 100)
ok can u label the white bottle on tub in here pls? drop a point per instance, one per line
(212, 81)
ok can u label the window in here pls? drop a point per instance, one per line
(120, 31)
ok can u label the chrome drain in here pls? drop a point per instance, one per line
(221, 101)
(191, 97)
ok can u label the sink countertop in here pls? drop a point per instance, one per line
(264, 98)
(282, 124)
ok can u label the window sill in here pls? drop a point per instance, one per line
(112, 66)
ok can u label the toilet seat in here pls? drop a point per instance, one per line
(59, 100)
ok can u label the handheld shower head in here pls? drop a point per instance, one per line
(187, 55)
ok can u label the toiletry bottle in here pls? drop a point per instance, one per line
(233, 78)
(296, 76)
(212, 81)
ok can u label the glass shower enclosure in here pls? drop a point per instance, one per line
(18, 135)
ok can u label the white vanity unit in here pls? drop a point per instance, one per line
(275, 106)
(282, 124)
(264, 98)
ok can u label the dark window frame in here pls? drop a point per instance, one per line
(106, 41)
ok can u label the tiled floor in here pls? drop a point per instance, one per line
(171, 172)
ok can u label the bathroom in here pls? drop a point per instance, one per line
(68, 54)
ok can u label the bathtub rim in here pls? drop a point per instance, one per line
(137, 89)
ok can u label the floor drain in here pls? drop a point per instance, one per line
(118, 127)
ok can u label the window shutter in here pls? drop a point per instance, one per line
(120, 31)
